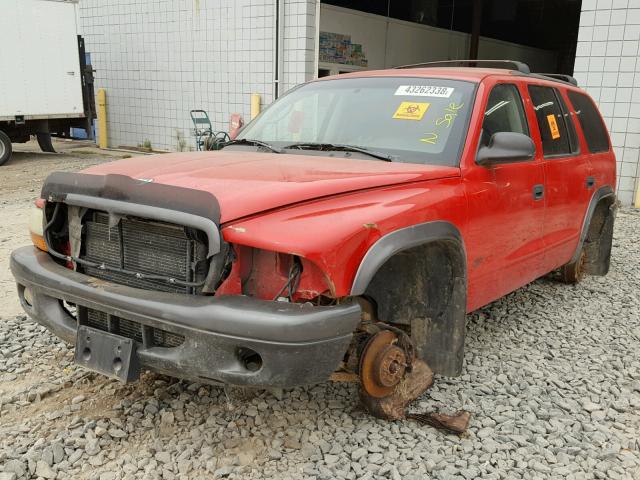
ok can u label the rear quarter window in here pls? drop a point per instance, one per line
(593, 128)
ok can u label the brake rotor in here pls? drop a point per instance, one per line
(382, 364)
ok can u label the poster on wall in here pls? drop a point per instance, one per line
(338, 48)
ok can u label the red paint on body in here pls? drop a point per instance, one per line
(246, 183)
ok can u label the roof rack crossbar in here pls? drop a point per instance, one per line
(560, 76)
(506, 64)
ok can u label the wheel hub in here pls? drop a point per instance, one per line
(382, 364)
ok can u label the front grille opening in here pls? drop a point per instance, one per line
(146, 247)
(70, 308)
(162, 338)
(142, 334)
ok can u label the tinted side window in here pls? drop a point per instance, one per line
(504, 113)
(594, 130)
(551, 121)
(573, 136)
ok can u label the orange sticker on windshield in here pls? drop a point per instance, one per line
(411, 110)
(553, 126)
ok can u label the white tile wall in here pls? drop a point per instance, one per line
(607, 65)
(158, 59)
(300, 32)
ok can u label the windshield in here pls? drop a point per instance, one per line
(416, 120)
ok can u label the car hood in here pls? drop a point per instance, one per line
(246, 183)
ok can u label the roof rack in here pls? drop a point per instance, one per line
(507, 64)
(560, 76)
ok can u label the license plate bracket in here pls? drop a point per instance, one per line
(108, 354)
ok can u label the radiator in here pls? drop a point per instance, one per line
(145, 247)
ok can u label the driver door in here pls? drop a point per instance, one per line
(506, 208)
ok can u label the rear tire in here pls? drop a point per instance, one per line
(573, 273)
(5, 148)
(44, 140)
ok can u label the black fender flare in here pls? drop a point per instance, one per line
(441, 344)
(601, 193)
(403, 239)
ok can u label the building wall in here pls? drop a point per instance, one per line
(389, 42)
(158, 59)
(607, 65)
(299, 42)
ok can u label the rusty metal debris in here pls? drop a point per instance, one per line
(344, 377)
(457, 423)
(393, 406)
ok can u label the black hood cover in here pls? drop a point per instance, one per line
(126, 189)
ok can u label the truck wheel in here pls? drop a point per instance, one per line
(44, 140)
(5, 148)
(573, 273)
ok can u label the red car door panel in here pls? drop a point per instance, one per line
(567, 173)
(505, 228)
(505, 219)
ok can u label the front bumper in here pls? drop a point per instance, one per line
(298, 344)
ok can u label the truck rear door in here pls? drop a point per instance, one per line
(568, 180)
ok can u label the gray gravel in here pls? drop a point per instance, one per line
(552, 377)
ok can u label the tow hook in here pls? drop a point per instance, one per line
(391, 377)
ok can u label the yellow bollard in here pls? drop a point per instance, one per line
(255, 105)
(637, 202)
(102, 118)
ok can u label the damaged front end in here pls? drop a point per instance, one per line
(151, 236)
(138, 276)
(120, 259)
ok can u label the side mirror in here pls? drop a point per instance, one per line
(506, 147)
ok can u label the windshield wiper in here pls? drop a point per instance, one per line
(338, 147)
(255, 143)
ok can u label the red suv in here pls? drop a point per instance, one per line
(346, 232)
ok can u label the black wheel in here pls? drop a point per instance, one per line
(573, 272)
(5, 148)
(44, 140)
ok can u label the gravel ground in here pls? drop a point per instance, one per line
(552, 377)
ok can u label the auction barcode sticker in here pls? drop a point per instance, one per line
(424, 91)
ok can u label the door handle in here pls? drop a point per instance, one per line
(538, 192)
(591, 181)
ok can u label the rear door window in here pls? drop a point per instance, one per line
(594, 130)
(555, 125)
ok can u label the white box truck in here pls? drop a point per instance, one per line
(45, 85)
